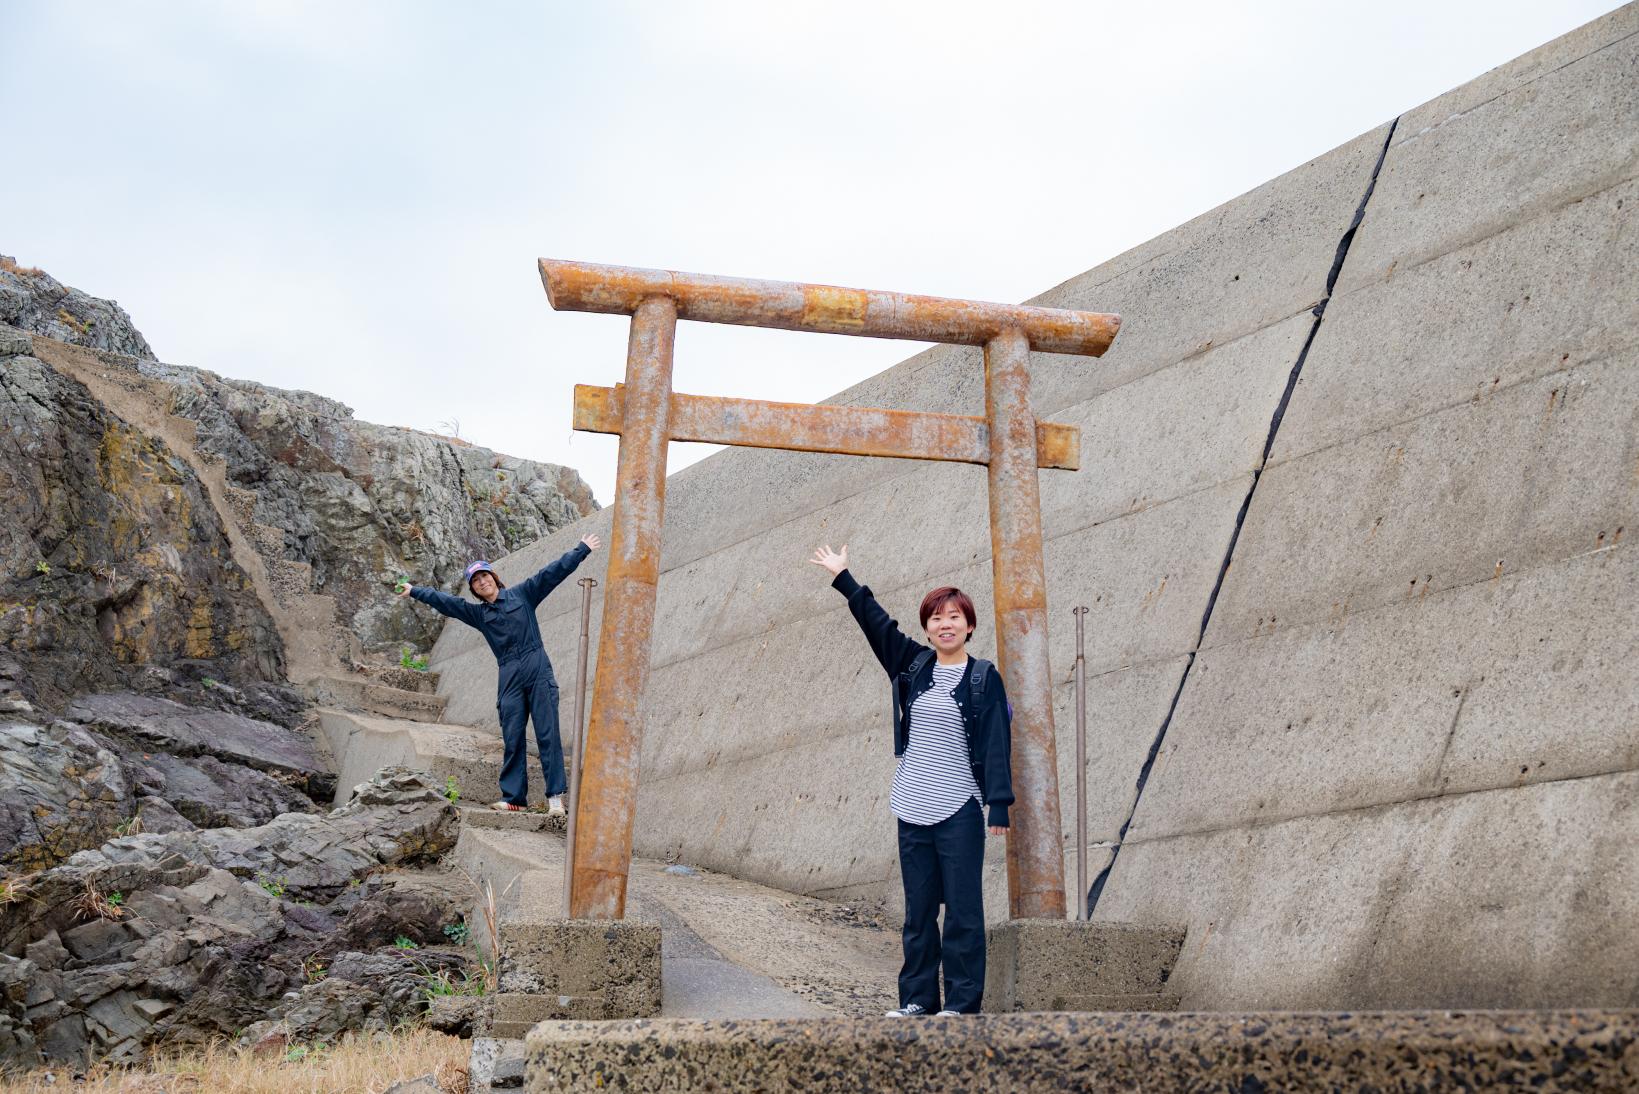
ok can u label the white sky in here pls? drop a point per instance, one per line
(349, 197)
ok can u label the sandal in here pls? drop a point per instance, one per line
(506, 807)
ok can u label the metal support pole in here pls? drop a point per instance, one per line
(1035, 843)
(1081, 766)
(603, 841)
(577, 735)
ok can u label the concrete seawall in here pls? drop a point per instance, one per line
(1360, 484)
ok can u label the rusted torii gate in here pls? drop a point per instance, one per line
(648, 415)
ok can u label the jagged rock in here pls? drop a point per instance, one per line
(389, 915)
(185, 731)
(158, 815)
(359, 992)
(112, 558)
(33, 300)
(456, 1015)
(204, 792)
(210, 933)
(137, 764)
(61, 791)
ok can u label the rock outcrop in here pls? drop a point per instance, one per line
(363, 504)
(358, 503)
(112, 558)
(124, 763)
(191, 937)
(33, 300)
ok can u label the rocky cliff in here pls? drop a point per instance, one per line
(115, 570)
(117, 562)
(363, 503)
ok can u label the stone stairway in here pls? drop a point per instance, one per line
(327, 661)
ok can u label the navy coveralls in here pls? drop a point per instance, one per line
(526, 687)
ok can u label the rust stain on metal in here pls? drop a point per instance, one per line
(825, 309)
(1035, 846)
(805, 427)
(832, 309)
(608, 789)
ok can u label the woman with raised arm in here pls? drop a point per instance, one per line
(526, 688)
(951, 732)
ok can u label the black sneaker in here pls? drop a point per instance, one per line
(909, 1010)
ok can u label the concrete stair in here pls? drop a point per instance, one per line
(361, 693)
(363, 743)
(1400, 1050)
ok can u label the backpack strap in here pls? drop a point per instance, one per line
(917, 665)
(976, 682)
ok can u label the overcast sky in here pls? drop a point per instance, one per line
(350, 197)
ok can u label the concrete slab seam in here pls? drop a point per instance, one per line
(1343, 244)
(1371, 807)
(1507, 91)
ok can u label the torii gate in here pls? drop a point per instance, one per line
(647, 415)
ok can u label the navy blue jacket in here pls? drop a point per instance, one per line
(508, 624)
(988, 724)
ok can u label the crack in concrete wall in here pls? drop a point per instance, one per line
(1097, 888)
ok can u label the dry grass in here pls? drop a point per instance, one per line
(366, 1065)
(10, 265)
(15, 888)
(93, 904)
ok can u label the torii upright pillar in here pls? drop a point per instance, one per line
(648, 415)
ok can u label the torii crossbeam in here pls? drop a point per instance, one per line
(648, 415)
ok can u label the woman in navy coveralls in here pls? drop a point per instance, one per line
(526, 688)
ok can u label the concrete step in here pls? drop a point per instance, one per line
(364, 743)
(269, 540)
(482, 816)
(404, 679)
(362, 694)
(1057, 964)
(1400, 1050)
(291, 580)
(243, 504)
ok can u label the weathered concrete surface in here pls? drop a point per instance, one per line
(1552, 1051)
(365, 744)
(576, 968)
(1051, 964)
(1417, 615)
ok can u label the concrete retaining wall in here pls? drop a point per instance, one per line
(1363, 705)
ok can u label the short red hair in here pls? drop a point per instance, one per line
(945, 595)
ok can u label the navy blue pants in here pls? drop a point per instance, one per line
(527, 690)
(940, 864)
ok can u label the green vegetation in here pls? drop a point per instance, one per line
(443, 983)
(408, 659)
(40, 567)
(452, 789)
(272, 886)
(458, 933)
(404, 943)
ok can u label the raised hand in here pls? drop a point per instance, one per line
(834, 561)
(592, 541)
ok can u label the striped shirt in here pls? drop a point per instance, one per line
(934, 779)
